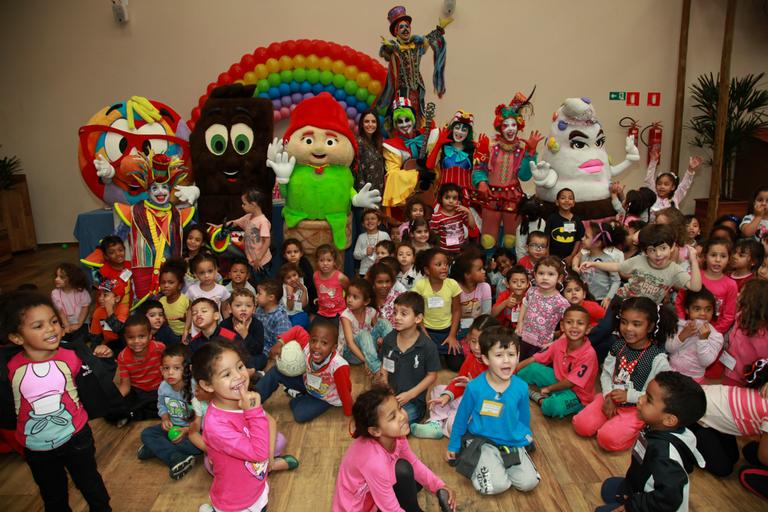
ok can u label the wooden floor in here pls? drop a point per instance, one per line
(571, 468)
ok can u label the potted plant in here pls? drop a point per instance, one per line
(9, 166)
(15, 207)
(747, 113)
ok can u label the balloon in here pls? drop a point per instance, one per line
(361, 94)
(285, 112)
(276, 115)
(284, 89)
(236, 71)
(350, 72)
(313, 62)
(307, 96)
(294, 86)
(299, 74)
(334, 51)
(276, 104)
(371, 98)
(261, 71)
(363, 79)
(339, 81)
(286, 75)
(339, 94)
(317, 88)
(362, 106)
(304, 46)
(286, 101)
(375, 87)
(343, 104)
(272, 65)
(249, 77)
(273, 92)
(296, 97)
(211, 86)
(247, 61)
(290, 47)
(313, 76)
(350, 87)
(326, 77)
(325, 63)
(195, 113)
(262, 85)
(264, 95)
(320, 47)
(299, 61)
(201, 101)
(338, 67)
(224, 79)
(260, 55)
(351, 112)
(274, 79)
(285, 62)
(275, 50)
(241, 82)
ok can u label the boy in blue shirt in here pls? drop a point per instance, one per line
(496, 417)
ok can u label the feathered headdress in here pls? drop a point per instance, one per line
(158, 169)
(519, 108)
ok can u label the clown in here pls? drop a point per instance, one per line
(455, 152)
(155, 224)
(128, 129)
(497, 175)
(312, 166)
(575, 158)
(404, 57)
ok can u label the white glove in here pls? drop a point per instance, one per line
(280, 162)
(187, 193)
(540, 171)
(367, 198)
(633, 155)
(104, 169)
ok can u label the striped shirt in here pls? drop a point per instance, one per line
(144, 373)
(450, 228)
(735, 410)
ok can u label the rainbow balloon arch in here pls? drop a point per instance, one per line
(289, 72)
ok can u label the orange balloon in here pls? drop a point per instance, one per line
(338, 67)
(299, 61)
(350, 72)
(363, 79)
(250, 77)
(374, 87)
(285, 63)
(273, 66)
(313, 62)
(261, 71)
(326, 63)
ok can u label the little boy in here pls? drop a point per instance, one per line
(205, 316)
(257, 232)
(161, 331)
(665, 451)
(271, 314)
(365, 246)
(247, 329)
(493, 423)
(409, 359)
(239, 272)
(109, 314)
(538, 247)
(565, 229)
(449, 221)
(295, 294)
(115, 267)
(747, 256)
(507, 307)
(326, 383)
(566, 371)
(385, 249)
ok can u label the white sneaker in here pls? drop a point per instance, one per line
(205, 507)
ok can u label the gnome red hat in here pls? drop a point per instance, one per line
(321, 111)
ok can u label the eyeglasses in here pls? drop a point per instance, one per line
(538, 247)
(90, 134)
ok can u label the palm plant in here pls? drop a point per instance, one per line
(9, 165)
(747, 113)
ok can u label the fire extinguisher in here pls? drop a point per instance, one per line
(633, 128)
(653, 141)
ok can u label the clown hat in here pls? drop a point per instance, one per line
(324, 112)
(160, 171)
(396, 14)
(463, 117)
(401, 102)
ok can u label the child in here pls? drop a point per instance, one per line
(160, 330)
(175, 411)
(326, 383)
(419, 235)
(409, 359)
(175, 304)
(600, 241)
(576, 292)
(293, 252)
(697, 343)
(295, 294)
(499, 264)
(415, 208)
(109, 314)
(565, 373)
(693, 230)
(445, 400)
(675, 219)
(449, 221)
(379, 470)
(747, 256)
(248, 330)
(204, 266)
(115, 267)
(51, 422)
(635, 358)
(762, 272)
(755, 223)
(636, 205)
(330, 283)
(670, 193)
(195, 240)
(495, 414)
(508, 304)
(271, 313)
(205, 318)
(365, 247)
(385, 290)
(665, 452)
(538, 248)
(748, 340)
(257, 234)
(361, 327)
(239, 271)
(384, 249)
(406, 257)
(475, 298)
(542, 307)
(441, 296)
(71, 298)
(531, 211)
(236, 432)
(564, 229)
(630, 246)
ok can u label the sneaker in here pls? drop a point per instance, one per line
(122, 422)
(442, 499)
(144, 453)
(181, 467)
(205, 507)
(293, 393)
(428, 430)
(536, 396)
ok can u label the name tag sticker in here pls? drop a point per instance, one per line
(435, 302)
(452, 240)
(389, 365)
(569, 227)
(125, 275)
(728, 360)
(313, 381)
(491, 408)
(638, 450)
(514, 315)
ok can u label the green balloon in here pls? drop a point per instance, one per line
(274, 79)
(174, 433)
(339, 81)
(262, 85)
(313, 76)
(371, 98)
(300, 74)
(286, 76)
(350, 87)
(361, 94)
(326, 77)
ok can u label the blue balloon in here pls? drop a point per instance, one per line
(294, 85)
(317, 88)
(308, 95)
(362, 106)
(339, 94)
(351, 112)
(264, 95)
(274, 93)
(305, 87)
(284, 89)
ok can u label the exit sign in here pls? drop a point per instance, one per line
(617, 95)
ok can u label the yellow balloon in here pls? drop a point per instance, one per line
(273, 66)
(285, 63)
(299, 61)
(326, 63)
(261, 71)
(363, 79)
(338, 67)
(374, 87)
(241, 82)
(249, 77)
(350, 72)
(313, 62)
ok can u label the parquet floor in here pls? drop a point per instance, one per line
(571, 468)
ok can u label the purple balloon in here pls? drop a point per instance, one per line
(286, 101)
(351, 112)
(296, 97)
(276, 104)
(308, 95)
(343, 104)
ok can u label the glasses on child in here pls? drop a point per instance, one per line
(538, 247)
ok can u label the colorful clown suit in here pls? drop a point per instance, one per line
(155, 224)
(497, 175)
(453, 155)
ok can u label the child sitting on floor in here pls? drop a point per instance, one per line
(248, 330)
(295, 294)
(205, 318)
(271, 313)
(508, 303)
(161, 331)
(362, 328)
(72, 301)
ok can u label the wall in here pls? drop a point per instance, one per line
(63, 61)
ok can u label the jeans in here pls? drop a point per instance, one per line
(415, 410)
(304, 407)
(452, 361)
(156, 439)
(78, 457)
(366, 342)
(601, 335)
(301, 318)
(259, 276)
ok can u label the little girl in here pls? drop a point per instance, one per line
(361, 328)
(748, 340)
(633, 361)
(501, 261)
(415, 208)
(365, 247)
(385, 249)
(600, 241)
(746, 258)
(542, 307)
(697, 343)
(445, 400)
(508, 304)
(668, 191)
(204, 266)
(379, 470)
(385, 290)
(51, 421)
(755, 223)
(635, 206)
(71, 298)
(693, 230)
(330, 283)
(406, 257)
(195, 241)
(419, 235)
(576, 292)
(295, 296)
(175, 304)
(256, 233)
(293, 252)
(236, 431)
(630, 246)
(475, 297)
(531, 211)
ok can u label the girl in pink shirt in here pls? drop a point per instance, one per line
(330, 283)
(379, 471)
(71, 298)
(749, 337)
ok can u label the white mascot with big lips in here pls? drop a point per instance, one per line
(574, 157)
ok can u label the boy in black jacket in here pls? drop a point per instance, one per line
(665, 451)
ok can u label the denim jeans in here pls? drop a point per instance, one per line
(452, 361)
(366, 342)
(415, 411)
(304, 407)
(156, 439)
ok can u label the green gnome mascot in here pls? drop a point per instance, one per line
(312, 166)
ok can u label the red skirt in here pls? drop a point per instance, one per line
(503, 199)
(463, 178)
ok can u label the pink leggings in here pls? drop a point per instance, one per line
(613, 434)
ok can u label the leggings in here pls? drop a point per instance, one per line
(406, 487)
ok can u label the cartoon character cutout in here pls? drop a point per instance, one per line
(126, 129)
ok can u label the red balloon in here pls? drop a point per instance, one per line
(211, 87)
(224, 79)
(321, 48)
(202, 100)
(290, 48)
(275, 50)
(303, 46)
(335, 52)
(248, 62)
(195, 114)
(260, 55)
(236, 71)
(191, 125)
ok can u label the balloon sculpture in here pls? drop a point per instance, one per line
(155, 224)
(574, 157)
(312, 165)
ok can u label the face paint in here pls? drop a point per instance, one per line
(509, 129)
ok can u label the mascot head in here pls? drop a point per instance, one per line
(509, 120)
